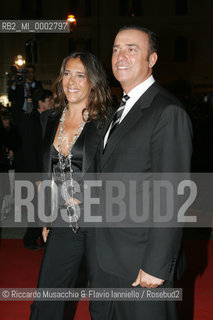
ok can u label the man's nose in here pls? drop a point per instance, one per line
(121, 55)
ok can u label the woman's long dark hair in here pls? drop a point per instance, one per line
(100, 96)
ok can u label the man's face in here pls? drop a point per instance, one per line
(48, 104)
(131, 62)
(6, 122)
(45, 105)
(30, 74)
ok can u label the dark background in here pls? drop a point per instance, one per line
(184, 27)
(185, 64)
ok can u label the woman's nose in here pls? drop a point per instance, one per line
(71, 79)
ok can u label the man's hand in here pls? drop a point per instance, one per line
(45, 233)
(10, 154)
(145, 280)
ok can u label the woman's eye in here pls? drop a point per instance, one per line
(66, 74)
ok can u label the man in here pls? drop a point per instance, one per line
(31, 131)
(21, 93)
(32, 153)
(42, 100)
(152, 134)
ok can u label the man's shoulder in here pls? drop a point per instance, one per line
(45, 115)
(165, 99)
(49, 112)
(38, 84)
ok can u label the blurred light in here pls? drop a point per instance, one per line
(205, 99)
(4, 100)
(19, 62)
(71, 22)
(71, 18)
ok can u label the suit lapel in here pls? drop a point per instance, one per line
(50, 131)
(91, 142)
(133, 116)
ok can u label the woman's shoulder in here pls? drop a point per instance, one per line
(98, 123)
(45, 116)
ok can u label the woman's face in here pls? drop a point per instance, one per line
(75, 83)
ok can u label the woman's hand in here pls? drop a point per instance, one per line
(73, 201)
(45, 233)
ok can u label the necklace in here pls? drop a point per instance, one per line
(73, 211)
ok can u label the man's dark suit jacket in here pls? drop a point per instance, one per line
(155, 136)
(17, 98)
(32, 142)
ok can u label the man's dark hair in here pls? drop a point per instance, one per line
(30, 66)
(40, 95)
(153, 39)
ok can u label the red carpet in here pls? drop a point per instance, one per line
(19, 268)
(199, 275)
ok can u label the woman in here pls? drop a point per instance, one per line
(71, 138)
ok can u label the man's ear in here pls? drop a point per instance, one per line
(40, 105)
(153, 59)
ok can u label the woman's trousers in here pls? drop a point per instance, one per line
(60, 267)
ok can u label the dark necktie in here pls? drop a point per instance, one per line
(117, 115)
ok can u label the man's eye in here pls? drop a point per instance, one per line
(115, 50)
(131, 49)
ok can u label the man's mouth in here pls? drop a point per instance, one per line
(122, 67)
